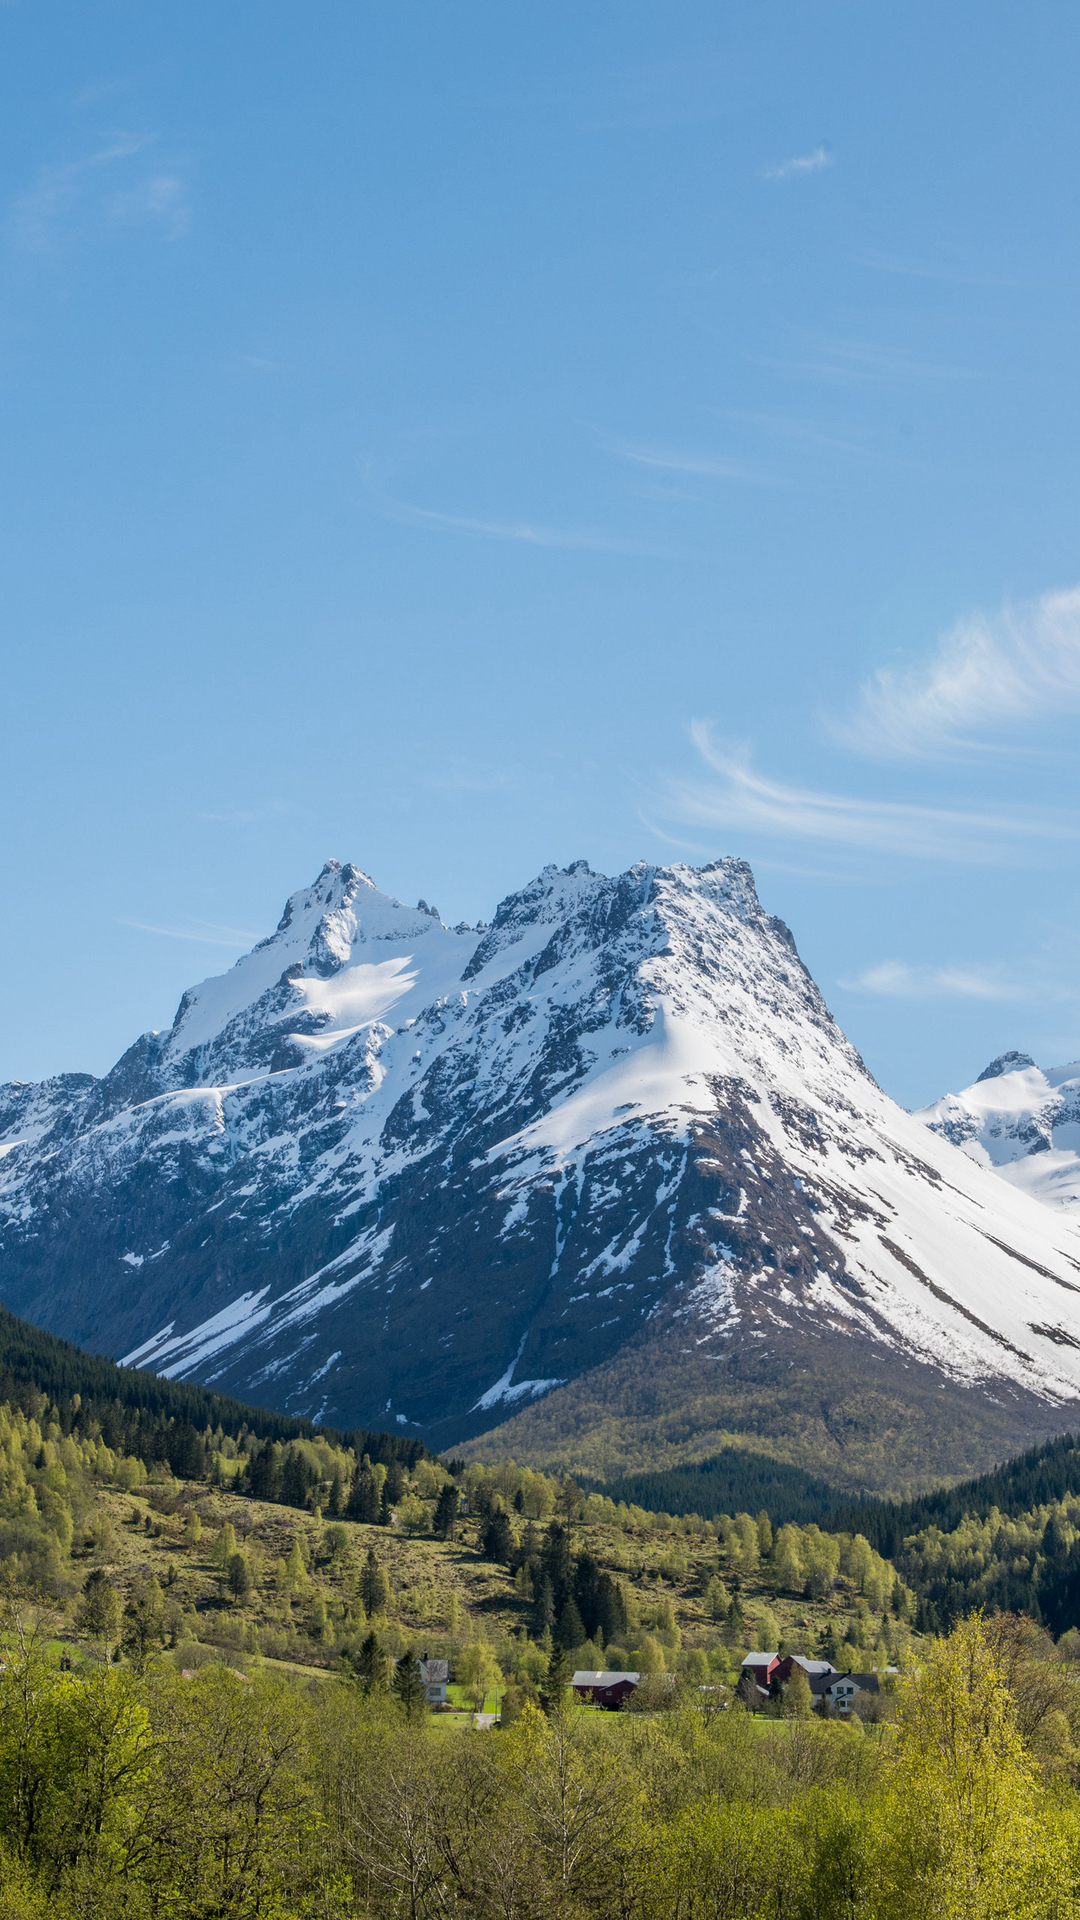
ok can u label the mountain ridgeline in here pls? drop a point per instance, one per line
(598, 1187)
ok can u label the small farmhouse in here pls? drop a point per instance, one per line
(843, 1693)
(603, 1686)
(435, 1675)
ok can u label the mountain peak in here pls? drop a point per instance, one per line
(1005, 1063)
(385, 1168)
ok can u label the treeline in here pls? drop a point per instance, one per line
(362, 1479)
(1000, 1564)
(32, 1361)
(732, 1481)
(1038, 1478)
(149, 1794)
(156, 1420)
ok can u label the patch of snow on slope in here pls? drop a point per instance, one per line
(189, 1350)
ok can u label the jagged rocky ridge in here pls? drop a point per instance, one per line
(388, 1171)
(1021, 1120)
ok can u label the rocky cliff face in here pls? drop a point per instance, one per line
(388, 1171)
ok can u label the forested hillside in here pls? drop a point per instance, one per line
(142, 1412)
(727, 1482)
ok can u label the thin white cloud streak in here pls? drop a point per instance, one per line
(708, 466)
(159, 199)
(247, 816)
(790, 428)
(233, 937)
(586, 539)
(68, 194)
(801, 163)
(860, 362)
(916, 270)
(988, 673)
(897, 980)
(742, 799)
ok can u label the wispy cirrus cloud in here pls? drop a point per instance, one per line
(896, 979)
(247, 816)
(203, 932)
(988, 674)
(709, 466)
(801, 163)
(848, 362)
(922, 270)
(116, 186)
(587, 539)
(739, 798)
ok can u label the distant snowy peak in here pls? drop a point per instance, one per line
(1005, 1063)
(1021, 1120)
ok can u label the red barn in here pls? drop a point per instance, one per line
(603, 1686)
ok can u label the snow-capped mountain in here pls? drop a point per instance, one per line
(385, 1170)
(1021, 1120)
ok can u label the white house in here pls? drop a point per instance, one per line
(844, 1691)
(434, 1674)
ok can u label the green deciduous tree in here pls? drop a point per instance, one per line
(479, 1672)
(964, 1840)
(796, 1698)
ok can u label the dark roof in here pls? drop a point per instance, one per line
(865, 1682)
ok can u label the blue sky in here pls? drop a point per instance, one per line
(460, 438)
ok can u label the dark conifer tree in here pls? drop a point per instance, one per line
(296, 1479)
(262, 1479)
(570, 1632)
(747, 1691)
(408, 1687)
(558, 1565)
(364, 1496)
(555, 1689)
(543, 1606)
(393, 1488)
(374, 1585)
(498, 1538)
(446, 1511)
(369, 1664)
